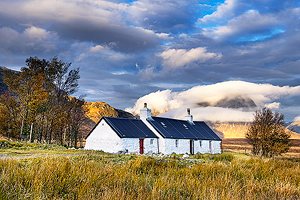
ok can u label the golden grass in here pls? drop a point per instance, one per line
(107, 176)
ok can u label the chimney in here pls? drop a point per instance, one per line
(145, 113)
(189, 117)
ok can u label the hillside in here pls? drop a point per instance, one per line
(237, 129)
(295, 126)
(96, 110)
(3, 86)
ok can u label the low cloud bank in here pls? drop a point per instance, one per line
(174, 104)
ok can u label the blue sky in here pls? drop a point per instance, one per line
(129, 49)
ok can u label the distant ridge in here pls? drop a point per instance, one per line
(3, 86)
(235, 102)
(294, 126)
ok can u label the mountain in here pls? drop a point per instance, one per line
(238, 129)
(3, 86)
(96, 110)
(294, 126)
(235, 102)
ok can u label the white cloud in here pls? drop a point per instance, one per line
(250, 22)
(34, 38)
(261, 94)
(159, 102)
(96, 49)
(223, 11)
(176, 58)
(147, 72)
(80, 57)
(211, 114)
(164, 36)
(274, 105)
(119, 73)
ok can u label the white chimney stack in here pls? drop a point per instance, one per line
(145, 113)
(189, 117)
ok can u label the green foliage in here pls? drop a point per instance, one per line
(108, 176)
(267, 134)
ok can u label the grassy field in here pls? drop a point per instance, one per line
(241, 145)
(78, 174)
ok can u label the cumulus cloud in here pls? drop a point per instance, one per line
(211, 114)
(163, 15)
(261, 94)
(104, 22)
(223, 11)
(31, 39)
(176, 58)
(159, 102)
(249, 23)
(97, 48)
(274, 105)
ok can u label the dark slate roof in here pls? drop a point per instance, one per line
(129, 128)
(181, 129)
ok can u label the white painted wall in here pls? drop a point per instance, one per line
(104, 138)
(204, 148)
(150, 148)
(133, 145)
(182, 147)
(161, 140)
(216, 147)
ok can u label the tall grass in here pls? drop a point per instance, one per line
(139, 177)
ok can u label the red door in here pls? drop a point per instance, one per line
(141, 146)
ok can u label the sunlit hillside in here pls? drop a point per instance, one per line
(238, 130)
(96, 110)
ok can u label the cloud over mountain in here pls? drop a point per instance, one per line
(226, 101)
(128, 49)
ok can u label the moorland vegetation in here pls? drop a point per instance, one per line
(98, 175)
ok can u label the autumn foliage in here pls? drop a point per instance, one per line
(38, 106)
(267, 134)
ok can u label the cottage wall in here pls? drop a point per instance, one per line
(216, 145)
(183, 146)
(202, 146)
(133, 145)
(150, 148)
(161, 140)
(104, 138)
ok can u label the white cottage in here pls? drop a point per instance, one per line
(182, 136)
(119, 134)
(153, 134)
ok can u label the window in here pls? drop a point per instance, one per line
(151, 141)
(210, 147)
(200, 143)
(185, 126)
(176, 143)
(163, 124)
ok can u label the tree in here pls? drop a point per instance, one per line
(267, 133)
(39, 100)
